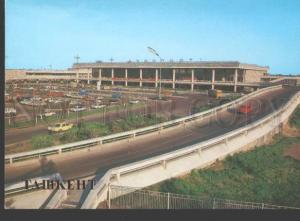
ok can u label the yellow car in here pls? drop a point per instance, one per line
(59, 127)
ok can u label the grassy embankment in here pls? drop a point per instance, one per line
(263, 174)
(295, 119)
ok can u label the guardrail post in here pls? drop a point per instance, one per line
(168, 205)
(164, 164)
(246, 133)
(199, 151)
(10, 160)
(59, 151)
(118, 177)
(160, 129)
(226, 141)
(108, 196)
(100, 142)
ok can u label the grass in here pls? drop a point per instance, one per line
(295, 119)
(72, 115)
(88, 130)
(41, 141)
(261, 175)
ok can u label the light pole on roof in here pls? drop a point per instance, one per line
(153, 51)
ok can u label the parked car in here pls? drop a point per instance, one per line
(60, 127)
(47, 114)
(134, 101)
(245, 109)
(97, 106)
(10, 111)
(77, 109)
(54, 101)
(25, 101)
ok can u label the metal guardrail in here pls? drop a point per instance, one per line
(20, 187)
(10, 158)
(122, 197)
(101, 187)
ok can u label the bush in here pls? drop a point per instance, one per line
(97, 129)
(41, 141)
(69, 136)
(84, 131)
(295, 119)
(261, 175)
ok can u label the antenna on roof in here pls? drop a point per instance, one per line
(77, 58)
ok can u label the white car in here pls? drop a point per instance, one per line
(74, 103)
(97, 106)
(48, 114)
(134, 101)
(54, 101)
(77, 109)
(25, 101)
(10, 110)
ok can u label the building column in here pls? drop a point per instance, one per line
(244, 75)
(77, 77)
(100, 76)
(193, 80)
(126, 76)
(112, 76)
(156, 77)
(89, 74)
(213, 76)
(235, 79)
(174, 77)
(141, 77)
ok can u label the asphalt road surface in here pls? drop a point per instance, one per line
(101, 158)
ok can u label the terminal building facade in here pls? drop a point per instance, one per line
(174, 75)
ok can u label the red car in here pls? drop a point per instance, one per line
(245, 109)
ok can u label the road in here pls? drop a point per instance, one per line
(101, 158)
(178, 106)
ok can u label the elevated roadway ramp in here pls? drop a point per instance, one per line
(100, 158)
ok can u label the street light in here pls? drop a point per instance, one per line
(151, 50)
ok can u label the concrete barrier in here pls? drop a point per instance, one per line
(56, 199)
(10, 158)
(19, 187)
(156, 169)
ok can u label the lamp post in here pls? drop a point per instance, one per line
(151, 50)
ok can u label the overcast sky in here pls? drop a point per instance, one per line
(43, 33)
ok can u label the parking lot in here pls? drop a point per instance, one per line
(38, 106)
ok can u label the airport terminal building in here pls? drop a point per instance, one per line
(174, 75)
